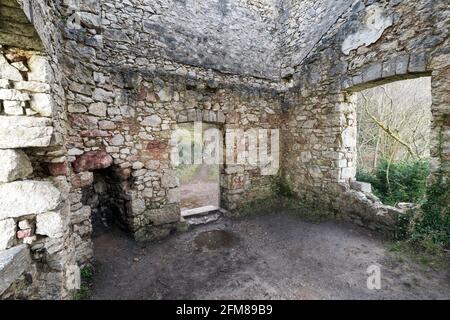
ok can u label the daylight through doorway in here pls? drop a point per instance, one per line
(199, 183)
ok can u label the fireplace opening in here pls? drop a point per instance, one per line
(108, 201)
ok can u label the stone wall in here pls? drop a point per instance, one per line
(232, 36)
(16, 30)
(129, 128)
(302, 25)
(36, 248)
(263, 38)
(372, 43)
(124, 102)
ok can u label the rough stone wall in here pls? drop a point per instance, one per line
(233, 36)
(302, 24)
(130, 131)
(392, 40)
(16, 30)
(258, 38)
(36, 250)
(119, 80)
(124, 102)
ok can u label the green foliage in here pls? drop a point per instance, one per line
(403, 181)
(182, 227)
(428, 253)
(424, 233)
(427, 229)
(280, 187)
(403, 226)
(86, 281)
(87, 273)
(82, 294)
(433, 225)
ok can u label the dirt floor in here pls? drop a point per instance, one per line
(261, 257)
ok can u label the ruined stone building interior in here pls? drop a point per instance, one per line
(92, 91)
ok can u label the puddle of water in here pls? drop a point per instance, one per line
(214, 239)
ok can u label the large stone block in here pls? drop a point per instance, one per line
(361, 186)
(83, 214)
(14, 108)
(7, 233)
(152, 121)
(23, 132)
(87, 5)
(4, 84)
(348, 173)
(13, 263)
(43, 104)
(173, 195)
(50, 224)
(32, 86)
(418, 62)
(89, 20)
(83, 121)
(27, 197)
(401, 67)
(13, 95)
(349, 137)
(102, 95)
(59, 169)
(14, 165)
(137, 204)
(170, 179)
(40, 69)
(165, 215)
(373, 72)
(92, 160)
(83, 179)
(98, 109)
(389, 68)
(73, 279)
(7, 71)
(117, 140)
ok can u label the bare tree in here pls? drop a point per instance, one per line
(394, 122)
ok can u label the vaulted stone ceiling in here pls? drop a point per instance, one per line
(15, 28)
(303, 23)
(262, 38)
(236, 36)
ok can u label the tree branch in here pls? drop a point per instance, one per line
(387, 129)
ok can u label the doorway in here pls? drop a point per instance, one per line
(200, 171)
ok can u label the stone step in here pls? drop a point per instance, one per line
(13, 263)
(202, 215)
